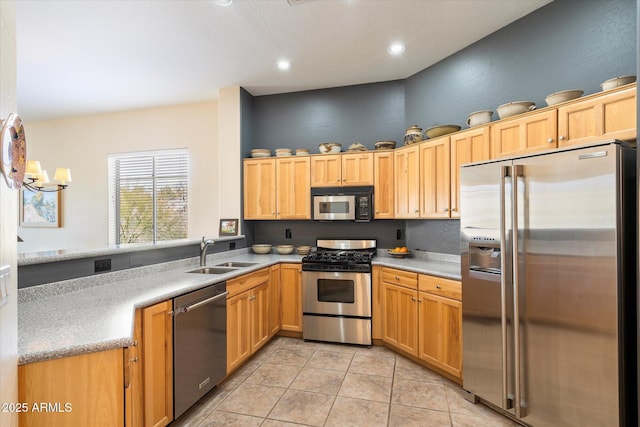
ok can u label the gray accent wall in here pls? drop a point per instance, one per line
(567, 44)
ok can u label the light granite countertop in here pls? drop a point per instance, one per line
(96, 313)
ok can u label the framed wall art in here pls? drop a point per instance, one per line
(228, 227)
(40, 208)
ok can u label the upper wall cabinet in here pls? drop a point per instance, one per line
(260, 188)
(406, 170)
(383, 185)
(337, 170)
(472, 145)
(435, 181)
(595, 118)
(277, 188)
(529, 133)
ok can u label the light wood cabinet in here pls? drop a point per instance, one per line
(248, 316)
(472, 145)
(376, 303)
(157, 364)
(326, 170)
(337, 170)
(293, 196)
(400, 310)
(528, 133)
(435, 179)
(604, 116)
(83, 390)
(357, 169)
(440, 323)
(274, 299)
(260, 189)
(406, 170)
(383, 185)
(133, 380)
(291, 297)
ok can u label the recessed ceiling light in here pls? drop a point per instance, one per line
(223, 2)
(283, 65)
(396, 48)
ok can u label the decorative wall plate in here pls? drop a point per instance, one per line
(13, 154)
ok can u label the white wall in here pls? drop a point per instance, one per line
(8, 222)
(83, 143)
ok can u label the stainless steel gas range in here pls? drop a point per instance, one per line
(336, 291)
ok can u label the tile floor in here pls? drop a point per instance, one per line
(291, 382)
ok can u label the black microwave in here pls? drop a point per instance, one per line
(342, 203)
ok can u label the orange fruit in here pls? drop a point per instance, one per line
(404, 249)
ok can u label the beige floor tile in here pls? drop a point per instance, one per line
(298, 343)
(468, 420)
(296, 356)
(340, 348)
(407, 416)
(372, 364)
(252, 399)
(318, 380)
(302, 407)
(274, 375)
(459, 405)
(278, 423)
(421, 394)
(348, 412)
(369, 387)
(377, 350)
(221, 418)
(333, 360)
(409, 370)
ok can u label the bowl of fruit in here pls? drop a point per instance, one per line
(399, 252)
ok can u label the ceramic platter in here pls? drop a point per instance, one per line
(13, 159)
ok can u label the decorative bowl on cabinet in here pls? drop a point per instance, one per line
(563, 96)
(330, 147)
(514, 108)
(436, 131)
(617, 81)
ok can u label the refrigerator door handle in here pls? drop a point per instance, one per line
(517, 171)
(507, 402)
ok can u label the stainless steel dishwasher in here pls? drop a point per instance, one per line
(199, 344)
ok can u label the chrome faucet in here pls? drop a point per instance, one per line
(203, 250)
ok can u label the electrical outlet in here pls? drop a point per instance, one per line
(287, 233)
(232, 246)
(102, 265)
(400, 234)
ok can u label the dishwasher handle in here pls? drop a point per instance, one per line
(192, 307)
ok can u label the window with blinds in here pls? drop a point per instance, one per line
(148, 196)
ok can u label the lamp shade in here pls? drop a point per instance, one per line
(42, 179)
(33, 168)
(63, 175)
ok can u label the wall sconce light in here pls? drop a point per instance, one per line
(39, 178)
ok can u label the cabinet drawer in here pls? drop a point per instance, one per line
(439, 286)
(400, 278)
(240, 284)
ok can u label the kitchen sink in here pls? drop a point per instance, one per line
(212, 270)
(235, 264)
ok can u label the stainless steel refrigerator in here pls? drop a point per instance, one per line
(548, 246)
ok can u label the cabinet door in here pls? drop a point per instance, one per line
(260, 189)
(607, 116)
(326, 170)
(259, 305)
(406, 182)
(291, 297)
(440, 325)
(383, 185)
(472, 145)
(238, 330)
(293, 188)
(377, 314)
(134, 392)
(435, 171)
(274, 300)
(400, 323)
(91, 383)
(531, 133)
(157, 362)
(357, 169)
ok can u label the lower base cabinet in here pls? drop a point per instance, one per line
(83, 390)
(291, 297)
(249, 316)
(422, 317)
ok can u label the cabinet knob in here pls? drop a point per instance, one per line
(437, 286)
(252, 297)
(416, 211)
(419, 300)
(413, 299)
(550, 140)
(561, 137)
(446, 209)
(134, 360)
(135, 343)
(397, 278)
(454, 210)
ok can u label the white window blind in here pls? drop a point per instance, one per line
(148, 196)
